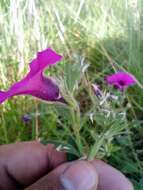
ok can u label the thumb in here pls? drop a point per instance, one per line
(76, 175)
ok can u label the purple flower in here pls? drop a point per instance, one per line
(96, 90)
(26, 118)
(121, 80)
(35, 83)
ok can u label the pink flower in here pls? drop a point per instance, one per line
(35, 83)
(121, 80)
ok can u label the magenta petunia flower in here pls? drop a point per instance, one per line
(35, 83)
(121, 80)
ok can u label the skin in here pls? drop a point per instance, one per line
(31, 166)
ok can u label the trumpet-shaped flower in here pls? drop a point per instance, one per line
(35, 83)
(121, 80)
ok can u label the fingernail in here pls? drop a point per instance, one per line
(80, 175)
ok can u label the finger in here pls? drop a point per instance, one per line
(78, 175)
(110, 178)
(26, 162)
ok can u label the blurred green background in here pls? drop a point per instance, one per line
(106, 34)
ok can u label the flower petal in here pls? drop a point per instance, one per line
(35, 83)
(121, 80)
(45, 58)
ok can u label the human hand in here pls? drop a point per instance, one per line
(33, 166)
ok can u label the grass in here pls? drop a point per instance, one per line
(104, 36)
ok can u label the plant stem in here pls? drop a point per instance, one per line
(36, 121)
(75, 113)
(95, 148)
(4, 129)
